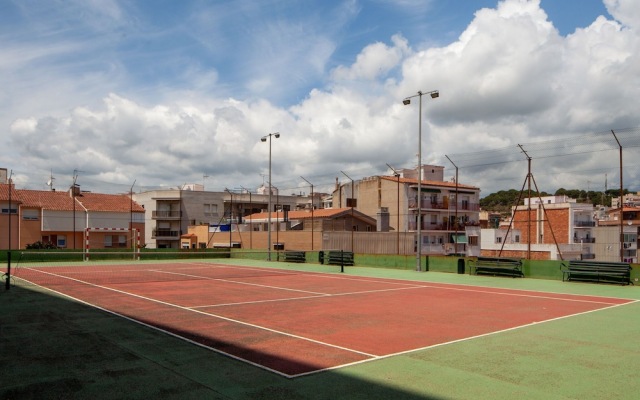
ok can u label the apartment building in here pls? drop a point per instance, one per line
(170, 212)
(557, 221)
(61, 219)
(448, 209)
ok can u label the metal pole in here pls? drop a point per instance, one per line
(621, 201)
(456, 200)
(419, 233)
(352, 201)
(264, 139)
(397, 175)
(270, 205)
(131, 215)
(434, 94)
(312, 208)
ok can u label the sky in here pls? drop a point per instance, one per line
(161, 93)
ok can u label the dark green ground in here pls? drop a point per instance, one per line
(55, 348)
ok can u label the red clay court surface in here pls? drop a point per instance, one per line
(296, 323)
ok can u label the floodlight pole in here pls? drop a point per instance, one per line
(312, 207)
(250, 212)
(131, 215)
(264, 139)
(456, 224)
(230, 217)
(434, 94)
(397, 175)
(352, 201)
(621, 201)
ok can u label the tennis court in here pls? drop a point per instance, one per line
(297, 322)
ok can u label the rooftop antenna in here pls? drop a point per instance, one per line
(204, 177)
(50, 181)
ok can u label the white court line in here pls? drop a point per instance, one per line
(211, 315)
(461, 340)
(372, 357)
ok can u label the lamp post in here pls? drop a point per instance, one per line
(397, 175)
(230, 217)
(312, 207)
(264, 139)
(250, 213)
(434, 94)
(353, 200)
(133, 247)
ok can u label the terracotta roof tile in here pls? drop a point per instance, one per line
(62, 201)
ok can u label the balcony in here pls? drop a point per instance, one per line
(166, 215)
(165, 234)
(428, 204)
(584, 224)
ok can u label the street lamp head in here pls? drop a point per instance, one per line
(435, 94)
(406, 101)
(277, 135)
(263, 139)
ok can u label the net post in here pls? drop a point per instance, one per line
(7, 283)
(86, 245)
(342, 261)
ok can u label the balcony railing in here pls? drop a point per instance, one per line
(584, 224)
(584, 240)
(166, 214)
(165, 233)
(440, 205)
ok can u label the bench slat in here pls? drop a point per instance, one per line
(594, 271)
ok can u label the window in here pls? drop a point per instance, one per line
(210, 209)
(498, 240)
(122, 240)
(434, 219)
(473, 240)
(517, 239)
(108, 241)
(30, 215)
(5, 210)
(62, 241)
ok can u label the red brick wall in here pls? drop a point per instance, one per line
(555, 222)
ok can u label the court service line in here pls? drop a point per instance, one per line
(427, 285)
(238, 282)
(212, 315)
(306, 297)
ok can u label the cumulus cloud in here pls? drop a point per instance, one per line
(509, 78)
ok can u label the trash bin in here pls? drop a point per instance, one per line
(461, 265)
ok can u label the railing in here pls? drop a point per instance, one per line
(584, 240)
(584, 224)
(439, 205)
(165, 233)
(166, 214)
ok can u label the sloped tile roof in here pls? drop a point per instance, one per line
(47, 200)
(326, 213)
(108, 202)
(4, 193)
(62, 201)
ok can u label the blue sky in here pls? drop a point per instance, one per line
(117, 88)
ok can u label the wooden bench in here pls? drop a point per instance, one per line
(596, 271)
(295, 256)
(496, 266)
(339, 257)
